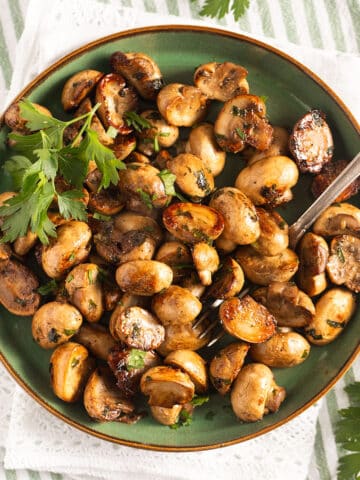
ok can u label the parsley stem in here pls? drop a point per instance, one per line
(88, 116)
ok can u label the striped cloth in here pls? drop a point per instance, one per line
(331, 25)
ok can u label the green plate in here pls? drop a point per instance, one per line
(291, 90)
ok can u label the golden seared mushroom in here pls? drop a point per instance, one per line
(290, 306)
(70, 247)
(115, 99)
(129, 221)
(141, 183)
(255, 393)
(274, 233)
(5, 251)
(23, 245)
(225, 246)
(240, 217)
(18, 288)
(85, 291)
(277, 147)
(129, 364)
(263, 270)
(228, 281)
(202, 143)
(226, 364)
(176, 305)
(183, 337)
(55, 323)
(311, 143)
(343, 266)
(246, 319)
(338, 219)
(313, 256)
(192, 283)
(123, 146)
(96, 338)
(79, 86)
(282, 350)
(242, 121)
(159, 134)
(182, 105)
(140, 70)
(16, 122)
(192, 223)
(328, 174)
(167, 386)
(143, 277)
(177, 255)
(193, 364)
(105, 402)
(107, 201)
(70, 369)
(268, 181)
(221, 81)
(192, 177)
(127, 300)
(206, 261)
(332, 312)
(166, 415)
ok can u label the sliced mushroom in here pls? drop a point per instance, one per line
(343, 266)
(290, 306)
(96, 338)
(247, 319)
(338, 219)
(178, 257)
(104, 402)
(167, 386)
(182, 105)
(166, 415)
(16, 122)
(277, 147)
(191, 363)
(206, 261)
(176, 305)
(18, 288)
(236, 209)
(228, 280)
(123, 146)
(143, 277)
(183, 337)
(255, 393)
(202, 143)
(332, 313)
(140, 70)
(79, 86)
(55, 323)
(311, 143)
(263, 270)
(115, 98)
(159, 135)
(226, 364)
(268, 181)
(274, 233)
(192, 223)
(129, 221)
(221, 81)
(241, 121)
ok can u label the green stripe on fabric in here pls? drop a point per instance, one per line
(17, 17)
(314, 30)
(354, 8)
(10, 474)
(150, 6)
(195, 8)
(320, 455)
(55, 476)
(333, 409)
(335, 24)
(265, 16)
(33, 475)
(5, 59)
(349, 376)
(173, 7)
(126, 3)
(289, 20)
(244, 23)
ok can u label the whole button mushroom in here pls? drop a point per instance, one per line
(176, 305)
(143, 277)
(343, 266)
(206, 261)
(338, 219)
(79, 86)
(274, 233)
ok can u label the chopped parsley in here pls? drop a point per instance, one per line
(184, 420)
(100, 216)
(74, 362)
(340, 254)
(335, 324)
(48, 288)
(135, 121)
(135, 359)
(241, 134)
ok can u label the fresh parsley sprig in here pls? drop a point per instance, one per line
(219, 8)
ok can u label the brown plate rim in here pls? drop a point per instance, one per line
(224, 33)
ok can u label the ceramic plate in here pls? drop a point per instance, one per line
(291, 90)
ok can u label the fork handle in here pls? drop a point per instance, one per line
(346, 177)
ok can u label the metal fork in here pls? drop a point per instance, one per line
(296, 231)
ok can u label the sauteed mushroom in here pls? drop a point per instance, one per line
(96, 338)
(143, 277)
(338, 219)
(328, 174)
(228, 281)
(78, 87)
(274, 233)
(343, 266)
(176, 305)
(277, 147)
(191, 363)
(206, 261)
(226, 364)
(159, 135)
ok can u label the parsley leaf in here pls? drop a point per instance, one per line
(219, 8)
(198, 400)
(134, 120)
(70, 209)
(168, 179)
(17, 167)
(47, 288)
(136, 359)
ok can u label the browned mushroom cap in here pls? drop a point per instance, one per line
(192, 223)
(78, 87)
(228, 280)
(247, 319)
(183, 336)
(18, 286)
(338, 219)
(328, 174)
(15, 121)
(167, 386)
(343, 266)
(311, 143)
(126, 300)
(274, 233)
(128, 365)
(263, 270)
(226, 364)
(96, 338)
(255, 393)
(290, 306)
(279, 146)
(182, 105)
(123, 146)
(129, 221)
(221, 81)
(176, 305)
(140, 70)
(164, 415)
(143, 277)
(115, 99)
(241, 121)
(206, 261)
(105, 402)
(225, 246)
(160, 133)
(191, 363)
(23, 245)
(177, 255)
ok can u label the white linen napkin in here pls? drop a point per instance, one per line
(39, 441)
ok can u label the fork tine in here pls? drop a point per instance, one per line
(206, 313)
(208, 329)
